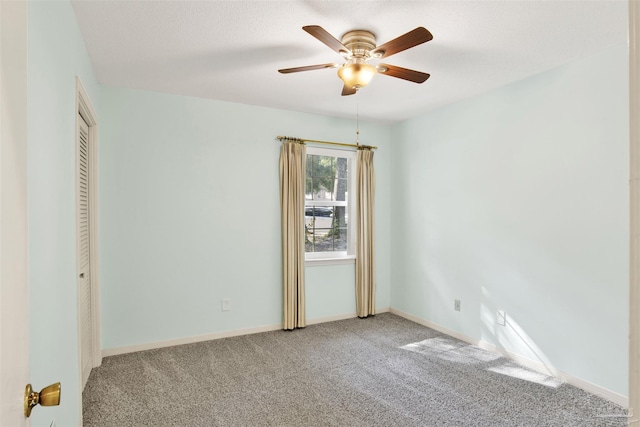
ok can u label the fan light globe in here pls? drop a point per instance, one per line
(356, 75)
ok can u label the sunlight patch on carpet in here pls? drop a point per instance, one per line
(432, 344)
(451, 350)
(515, 371)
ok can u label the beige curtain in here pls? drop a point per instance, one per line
(365, 185)
(292, 179)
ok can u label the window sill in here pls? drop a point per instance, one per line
(317, 262)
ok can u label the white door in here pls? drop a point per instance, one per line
(14, 296)
(84, 252)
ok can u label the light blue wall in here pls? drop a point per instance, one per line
(190, 214)
(518, 200)
(56, 54)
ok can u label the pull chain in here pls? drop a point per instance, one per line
(357, 124)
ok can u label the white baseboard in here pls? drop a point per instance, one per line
(217, 335)
(437, 327)
(326, 319)
(188, 340)
(535, 365)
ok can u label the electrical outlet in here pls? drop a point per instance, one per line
(456, 305)
(501, 318)
(226, 304)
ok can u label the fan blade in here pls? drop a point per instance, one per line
(412, 38)
(346, 90)
(321, 34)
(307, 68)
(403, 73)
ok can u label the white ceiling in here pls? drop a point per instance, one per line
(231, 50)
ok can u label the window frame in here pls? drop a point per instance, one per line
(336, 257)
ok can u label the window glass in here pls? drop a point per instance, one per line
(327, 204)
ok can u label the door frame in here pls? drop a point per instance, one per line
(634, 219)
(14, 289)
(84, 107)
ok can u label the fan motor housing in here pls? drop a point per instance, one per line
(359, 42)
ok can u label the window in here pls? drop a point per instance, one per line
(328, 204)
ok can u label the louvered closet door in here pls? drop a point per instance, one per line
(84, 258)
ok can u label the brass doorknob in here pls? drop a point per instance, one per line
(48, 396)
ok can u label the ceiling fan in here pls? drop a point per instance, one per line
(358, 47)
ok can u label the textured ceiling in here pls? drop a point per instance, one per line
(231, 50)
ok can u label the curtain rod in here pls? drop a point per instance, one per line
(342, 144)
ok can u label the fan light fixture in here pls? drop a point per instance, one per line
(356, 75)
(358, 47)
